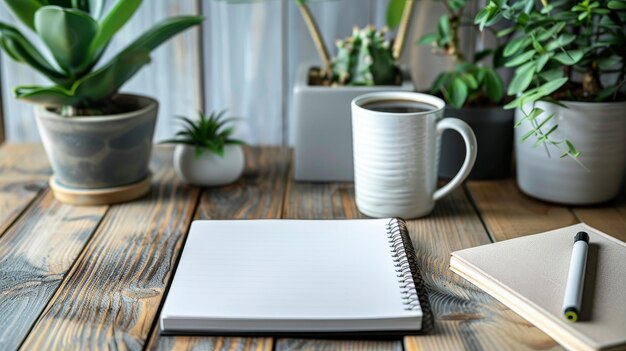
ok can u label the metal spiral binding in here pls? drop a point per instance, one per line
(402, 262)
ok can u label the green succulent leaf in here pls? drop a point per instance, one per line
(48, 96)
(21, 50)
(93, 7)
(108, 79)
(25, 10)
(163, 31)
(115, 19)
(208, 133)
(68, 34)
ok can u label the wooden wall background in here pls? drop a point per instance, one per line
(243, 59)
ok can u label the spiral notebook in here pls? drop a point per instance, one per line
(297, 277)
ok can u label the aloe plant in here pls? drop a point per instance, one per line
(208, 133)
(76, 33)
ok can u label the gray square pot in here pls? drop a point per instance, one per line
(323, 127)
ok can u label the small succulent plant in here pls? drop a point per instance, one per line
(365, 58)
(208, 133)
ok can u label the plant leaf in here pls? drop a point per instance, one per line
(427, 39)
(617, 5)
(115, 19)
(67, 33)
(395, 9)
(48, 96)
(493, 85)
(520, 59)
(569, 57)
(522, 79)
(25, 10)
(107, 80)
(457, 92)
(21, 50)
(163, 31)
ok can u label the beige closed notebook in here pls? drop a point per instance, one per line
(528, 275)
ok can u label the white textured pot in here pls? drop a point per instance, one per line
(598, 131)
(323, 129)
(208, 169)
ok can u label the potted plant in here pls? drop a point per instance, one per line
(570, 74)
(365, 62)
(206, 154)
(474, 93)
(95, 138)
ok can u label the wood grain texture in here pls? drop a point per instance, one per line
(508, 213)
(112, 294)
(325, 201)
(24, 171)
(609, 218)
(306, 200)
(258, 194)
(35, 255)
(465, 316)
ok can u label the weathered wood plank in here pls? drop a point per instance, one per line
(508, 213)
(465, 316)
(35, 255)
(110, 298)
(325, 201)
(609, 218)
(24, 172)
(258, 194)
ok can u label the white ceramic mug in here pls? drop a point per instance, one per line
(396, 155)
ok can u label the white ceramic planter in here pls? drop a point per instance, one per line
(208, 169)
(598, 131)
(323, 129)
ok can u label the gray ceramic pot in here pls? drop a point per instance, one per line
(100, 151)
(493, 127)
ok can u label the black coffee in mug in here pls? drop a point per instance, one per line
(398, 106)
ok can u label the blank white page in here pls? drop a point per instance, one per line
(286, 269)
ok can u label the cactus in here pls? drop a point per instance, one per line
(365, 58)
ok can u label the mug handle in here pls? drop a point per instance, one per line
(470, 153)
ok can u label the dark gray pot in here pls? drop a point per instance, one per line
(493, 127)
(100, 151)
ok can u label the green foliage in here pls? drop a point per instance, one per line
(209, 133)
(76, 33)
(394, 12)
(365, 58)
(470, 80)
(568, 50)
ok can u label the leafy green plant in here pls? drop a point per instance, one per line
(562, 50)
(76, 33)
(208, 133)
(365, 58)
(471, 82)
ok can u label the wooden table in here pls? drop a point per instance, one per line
(95, 277)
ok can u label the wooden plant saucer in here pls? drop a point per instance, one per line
(100, 196)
